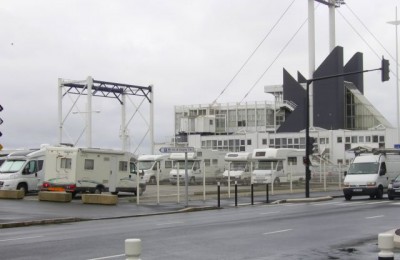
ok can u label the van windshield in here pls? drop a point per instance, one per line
(182, 164)
(265, 165)
(145, 165)
(11, 166)
(238, 166)
(363, 168)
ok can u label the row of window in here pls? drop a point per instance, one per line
(66, 163)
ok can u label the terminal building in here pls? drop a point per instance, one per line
(341, 118)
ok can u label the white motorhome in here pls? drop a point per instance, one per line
(239, 168)
(78, 170)
(22, 170)
(213, 161)
(277, 165)
(370, 173)
(148, 164)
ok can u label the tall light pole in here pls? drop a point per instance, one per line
(396, 23)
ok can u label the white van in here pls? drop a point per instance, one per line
(148, 164)
(239, 168)
(370, 173)
(275, 165)
(178, 171)
(22, 170)
(79, 170)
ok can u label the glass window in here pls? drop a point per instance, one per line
(123, 166)
(347, 139)
(339, 139)
(248, 141)
(168, 164)
(361, 139)
(215, 161)
(354, 139)
(207, 162)
(264, 141)
(89, 164)
(66, 163)
(381, 138)
(292, 160)
(368, 139)
(374, 138)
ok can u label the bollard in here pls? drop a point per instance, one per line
(219, 194)
(236, 194)
(252, 194)
(386, 245)
(267, 193)
(133, 248)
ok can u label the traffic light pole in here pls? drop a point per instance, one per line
(385, 77)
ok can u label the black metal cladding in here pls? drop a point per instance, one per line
(108, 89)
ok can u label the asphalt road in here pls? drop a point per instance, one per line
(334, 229)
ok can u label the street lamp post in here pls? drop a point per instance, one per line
(396, 23)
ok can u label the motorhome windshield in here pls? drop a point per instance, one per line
(182, 164)
(363, 168)
(145, 165)
(265, 165)
(11, 166)
(238, 166)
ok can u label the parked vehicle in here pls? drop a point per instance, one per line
(276, 165)
(370, 173)
(22, 170)
(239, 168)
(212, 162)
(394, 188)
(148, 164)
(79, 170)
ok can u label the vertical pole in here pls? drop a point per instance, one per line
(60, 119)
(397, 82)
(229, 180)
(151, 118)
(186, 181)
(332, 36)
(219, 194)
(291, 175)
(137, 188)
(252, 194)
(325, 172)
(158, 182)
(340, 176)
(267, 193)
(89, 83)
(178, 183)
(123, 123)
(311, 54)
(307, 140)
(236, 194)
(204, 181)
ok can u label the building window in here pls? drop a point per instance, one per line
(248, 141)
(339, 140)
(381, 139)
(215, 161)
(375, 139)
(264, 141)
(361, 139)
(347, 139)
(354, 139)
(271, 141)
(207, 162)
(368, 139)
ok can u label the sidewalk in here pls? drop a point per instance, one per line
(30, 211)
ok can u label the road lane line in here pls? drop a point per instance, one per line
(19, 238)
(379, 216)
(107, 257)
(278, 231)
(268, 213)
(377, 202)
(170, 223)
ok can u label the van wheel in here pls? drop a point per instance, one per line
(152, 180)
(98, 190)
(347, 197)
(22, 186)
(379, 193)
(390, 197)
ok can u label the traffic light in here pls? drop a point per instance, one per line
(312, 145)
(385, 70)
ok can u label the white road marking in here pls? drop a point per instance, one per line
(268, 213)
(19, 238)
(107, 257)
(380, 216)
(169, 223)
(378, 202)
(278, 231)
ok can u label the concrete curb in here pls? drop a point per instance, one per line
(40, 222)
(303, 200)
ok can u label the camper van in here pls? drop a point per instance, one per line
(79, 170)
(370, 173)
(276, 165)
(213, 161)
(239, 168)
(22, 170)
(148, 164)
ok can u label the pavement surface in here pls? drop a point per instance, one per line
(30, 211)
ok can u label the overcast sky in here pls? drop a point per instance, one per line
(189, 51)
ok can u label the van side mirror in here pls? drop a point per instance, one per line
(345, 173)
